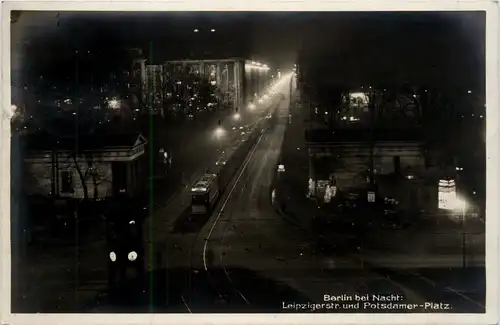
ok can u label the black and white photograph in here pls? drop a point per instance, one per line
(249, 162)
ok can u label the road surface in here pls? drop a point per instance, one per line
(247, 258)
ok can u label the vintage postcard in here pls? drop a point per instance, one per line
(301, 162)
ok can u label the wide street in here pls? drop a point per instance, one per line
(248, 257)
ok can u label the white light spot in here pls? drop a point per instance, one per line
(112, 256)
(132, 256)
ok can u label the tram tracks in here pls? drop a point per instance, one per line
(220, 280)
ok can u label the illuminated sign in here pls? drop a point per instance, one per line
(447, 194)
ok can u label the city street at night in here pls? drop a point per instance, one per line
(247, 248)
(248, 162)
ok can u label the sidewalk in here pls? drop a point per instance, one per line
(295, 206)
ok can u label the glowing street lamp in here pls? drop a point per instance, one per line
(236, 116)
(212, 30)
(196, 30)
(251, 106)
(219, 132)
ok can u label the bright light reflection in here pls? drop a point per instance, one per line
(113, 103)
(219, 131)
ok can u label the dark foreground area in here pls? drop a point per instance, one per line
(249, 292)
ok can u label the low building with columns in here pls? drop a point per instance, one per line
(108, 165)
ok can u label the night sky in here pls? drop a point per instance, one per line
(431, 48)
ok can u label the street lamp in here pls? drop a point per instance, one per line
(460, 205)
(251, 106)
(219, 132)
(196, 30)
(236, 116)
(212, 30)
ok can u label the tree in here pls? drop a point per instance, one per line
(87, 170)
(78, 119)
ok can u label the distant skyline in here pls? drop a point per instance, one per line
(436, 45)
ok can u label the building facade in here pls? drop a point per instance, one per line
(155, 88)
(236, 80)
(101, 172)
(358, 145)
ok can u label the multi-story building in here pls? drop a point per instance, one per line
(237, 81)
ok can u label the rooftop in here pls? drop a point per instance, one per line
(46, 141)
